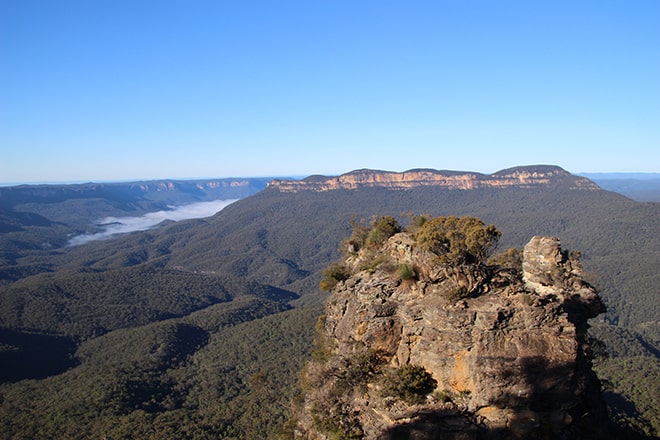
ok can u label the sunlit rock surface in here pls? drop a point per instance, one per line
(521, 177)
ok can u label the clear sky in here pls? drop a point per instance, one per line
(140, 89)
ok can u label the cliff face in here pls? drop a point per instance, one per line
(505, 361)
(523, 177)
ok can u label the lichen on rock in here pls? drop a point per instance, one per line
(506, 357)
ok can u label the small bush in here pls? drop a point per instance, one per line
(334, 274)
(383, 228)
(458, 240)
(336, 423)
(331, 414)
(406, 271)
(419, 220)
(443, 396)
(509, 259)
(415, 221)
(409, 383)
(357, 239)
(322, 348)
(360, 369)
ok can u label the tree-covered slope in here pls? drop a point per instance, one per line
(284, 238)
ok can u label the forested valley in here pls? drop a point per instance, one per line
(198, 329)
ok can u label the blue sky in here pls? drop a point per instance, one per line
(114, 89)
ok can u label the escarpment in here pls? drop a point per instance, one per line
(428, 336)
(539, 176)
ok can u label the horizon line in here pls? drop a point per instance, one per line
(614, 174)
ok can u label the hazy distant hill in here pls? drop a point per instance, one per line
(198, 323)
(643, 187)
(78, 203)
(40, 218)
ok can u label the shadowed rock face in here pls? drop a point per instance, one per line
(508, 361)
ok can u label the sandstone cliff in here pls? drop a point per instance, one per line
(491, 350)
(523, 177)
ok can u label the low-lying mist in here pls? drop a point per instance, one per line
(113, 226)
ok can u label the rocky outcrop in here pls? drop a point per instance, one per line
(507, 361)
(522, 177)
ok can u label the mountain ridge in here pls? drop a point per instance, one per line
(151, 190)
(531, 176)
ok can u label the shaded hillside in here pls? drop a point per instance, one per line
(90, 303)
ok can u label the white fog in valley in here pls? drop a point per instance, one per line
(113, 226)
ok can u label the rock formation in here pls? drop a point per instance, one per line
(414, 354)
(522, 177)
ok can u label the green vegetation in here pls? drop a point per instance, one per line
(89, 303)
(409, 383)
(336, 378)
(631, 391)
(339, 378)
(462, 246)
(406, 271)
(358, 370)
(375, 234)
(509, 259)
(334, 274)
(458, 240)
(443, 396)
(208, 376)
(372, 238)
(630, 372)
(358, 238)
(383, 228)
